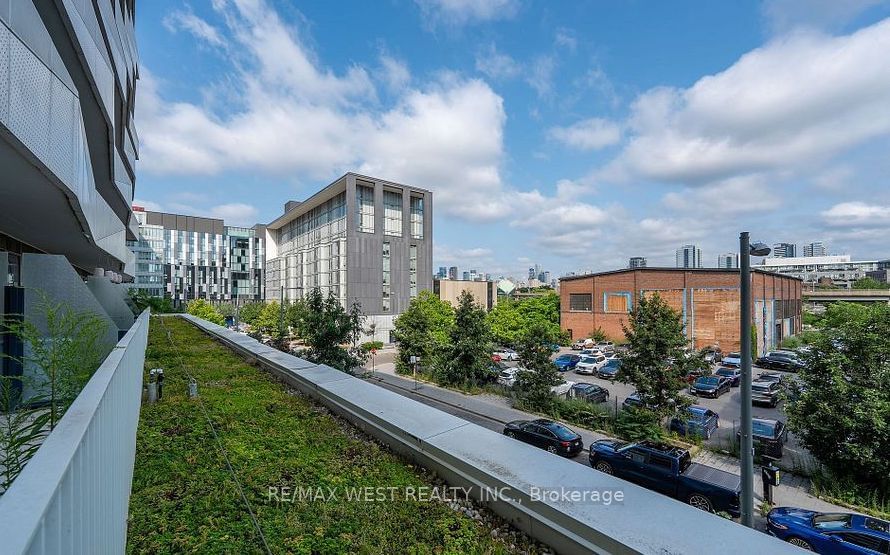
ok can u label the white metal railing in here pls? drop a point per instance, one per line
(73, 496)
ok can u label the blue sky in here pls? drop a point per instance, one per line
(569, 134)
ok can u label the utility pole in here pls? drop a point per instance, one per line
(747, 439)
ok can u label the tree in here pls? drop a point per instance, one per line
(202, 309)
(271, 323)
(226, 309)
(533, 387)
(841, 412)
(870, 283)
(468, 357)
(142, 300)
(511, 318)
(295, 313)
(597, 335)
(423, 330)
(657, 362)
(250, 312)
(328, 327)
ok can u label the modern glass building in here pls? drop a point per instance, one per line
(361, 239)
(189, 257)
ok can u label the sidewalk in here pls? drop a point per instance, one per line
(794, 490)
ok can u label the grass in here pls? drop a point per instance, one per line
(846, 492)
(184, 499)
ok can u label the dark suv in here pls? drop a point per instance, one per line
(765, 393)
(780, 360)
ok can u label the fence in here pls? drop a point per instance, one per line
(73, 497)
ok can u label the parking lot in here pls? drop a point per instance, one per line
(727, 406)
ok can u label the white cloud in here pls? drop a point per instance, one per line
(395, 73)
(540, 76)
(566, 39)
(797, 100)
(463, 12)
(236, 213)
(295, 117)
(187, 21)
(784, 15)
(589, 134)
(857, 214)
(497, 65)
(736, 195)
(149, 205)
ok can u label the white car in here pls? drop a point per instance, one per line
(507, 354)
(562, 389)
(589, 364)
(590, 352)
(507, 377)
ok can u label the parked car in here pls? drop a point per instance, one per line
(566, 362)
(696, 420)
(829, 533)
(546, 434)
(780, 360)
(507, 354)
(632, 401)
(507, 377)
(696, 374)
(562, 388)
(771, 377)
(605, 345)
(609, 370)
(589, 364)
(589, 352)
(494, 370)
(713, 355)
(554, 347)
(765, 393)
(668, 470)
(578, 345)
(769, 437)
(710, 386)
(734, 375)
(589, 392)
(733, 360)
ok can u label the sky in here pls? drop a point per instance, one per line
(572, 135)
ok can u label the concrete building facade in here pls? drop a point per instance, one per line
(364, 239)
(190, 257)
(707, 299)
(815, 249)
(728, 260)
(688, 256)
(837, 271)
(637, 262)
(484, 292)
(784, 250)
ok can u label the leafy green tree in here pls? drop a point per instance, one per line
(656, 362)
(870, 283)
(271, 322)
(597, 335)
(332, 333)
(202, 309)
(468, 357)
(226, 309)
(423, 330)
(841, 412)
(511, 318)
(250, 312)
(142, 300)
(295, 312)
(533, 388)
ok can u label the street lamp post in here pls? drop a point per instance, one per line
(747, 439)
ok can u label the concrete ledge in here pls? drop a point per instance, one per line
(467, 455)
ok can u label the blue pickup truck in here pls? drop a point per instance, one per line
(668, 470)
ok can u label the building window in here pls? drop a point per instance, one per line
(364, 214)
(417, 217)
(412, 268)
(392, 213)
(617, 302)
(386, 278)
(580, 302)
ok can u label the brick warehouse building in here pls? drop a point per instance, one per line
(707, 299)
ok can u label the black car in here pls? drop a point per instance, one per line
(712, 355)
(771, 377)
(710, 386)
(734, 375)
(546, 434)
(769, 436)
(589, 392)
(765, 393)
(780, 360)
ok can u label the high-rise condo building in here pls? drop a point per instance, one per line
(784, 250)
(636, 262)
(815, 249)
(689, 256)
(728, 260)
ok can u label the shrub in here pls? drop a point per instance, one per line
(635, 424)
(203, 309)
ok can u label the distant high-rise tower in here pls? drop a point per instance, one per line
(689, 256)
(452, 272)
(442, 273)
(784, 250)
(637, 262)
(815, 249)
(729, 260)
(466, 276)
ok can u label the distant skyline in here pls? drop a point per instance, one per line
(574, 135)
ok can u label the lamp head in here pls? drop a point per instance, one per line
(759, 249)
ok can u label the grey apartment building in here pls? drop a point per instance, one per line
(361, 238)
(190, 257)
(68, 151)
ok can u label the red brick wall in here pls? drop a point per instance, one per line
(711, 301)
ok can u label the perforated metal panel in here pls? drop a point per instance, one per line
(62, 139)
(4, 73)
(29, 95)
